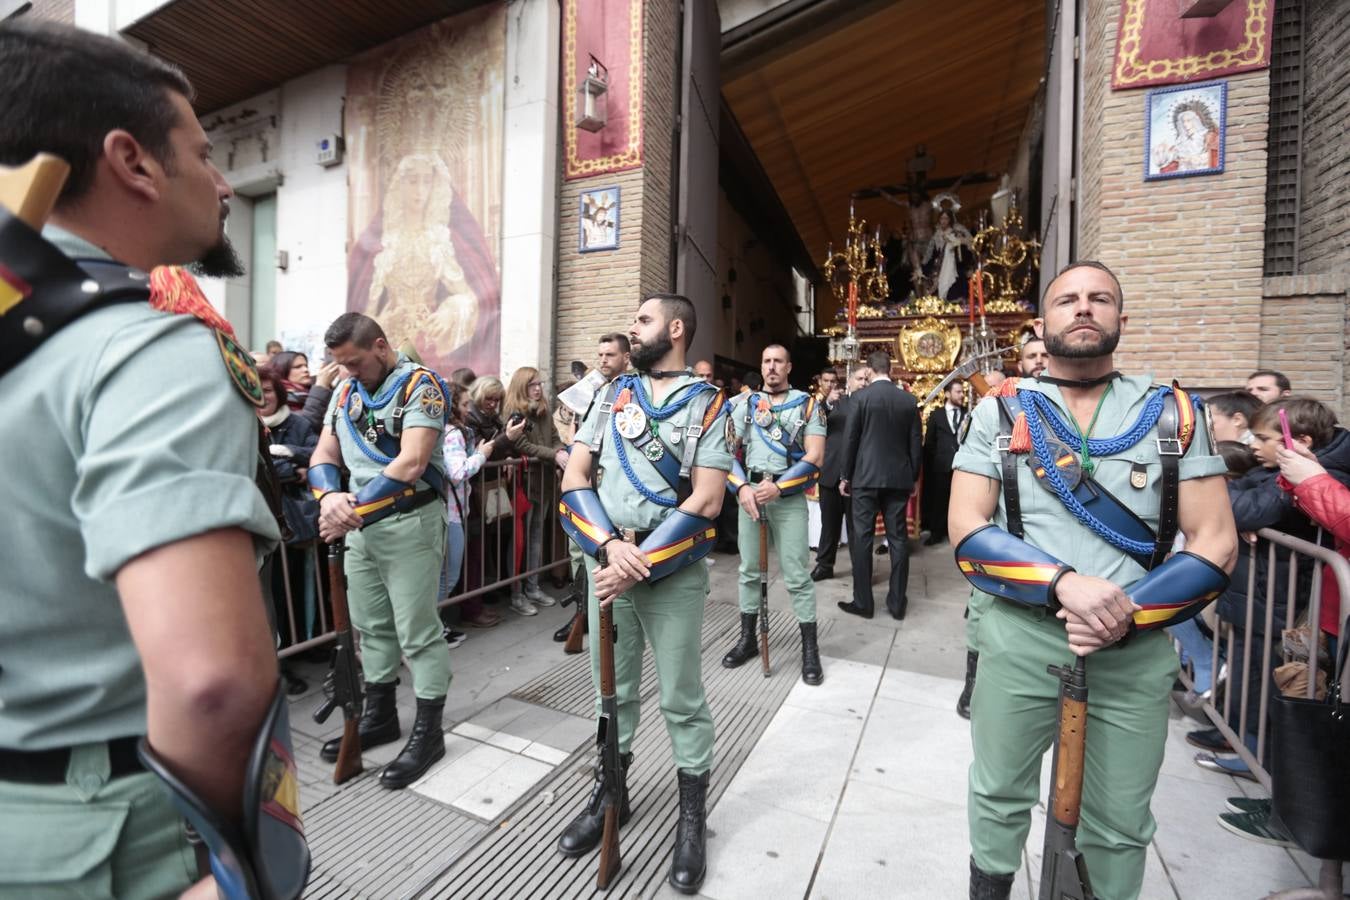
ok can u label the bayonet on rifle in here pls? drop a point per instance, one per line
(1064, 874)
(764, 592)
(345, 679)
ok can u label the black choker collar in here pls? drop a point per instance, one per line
(1078, 383)
(675, 373)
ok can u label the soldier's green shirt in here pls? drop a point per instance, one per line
(425, 408)
(1046, 523)
(626, 506)
(760, 455)
(126, 434)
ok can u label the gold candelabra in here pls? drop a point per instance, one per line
(852, 279)
(1008, 262)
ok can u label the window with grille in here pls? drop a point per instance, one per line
(1284, 162)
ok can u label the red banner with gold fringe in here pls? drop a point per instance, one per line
(611, 31)
(1154, 45)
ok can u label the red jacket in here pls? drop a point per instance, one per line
(1327, 502)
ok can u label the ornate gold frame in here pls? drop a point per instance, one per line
(915, 360)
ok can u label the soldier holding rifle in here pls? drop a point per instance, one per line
(784, 436)
(1067, 495)
(643, 486)
(130, 606)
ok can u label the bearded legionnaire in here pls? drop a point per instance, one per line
(384, 426)
(783, 432)
(1031, 359)
(643, 485)
(133, 632)
(1071, 533)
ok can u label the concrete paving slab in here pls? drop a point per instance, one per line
(473, 731)
(846, 692)
(568, 734)
(801, 762)
(508, 741)
(918, 749)
(496, 716)
(894, 844)
(494, 795)
(532, 722)
(922, 690)
(759, 850)
(545, 753)
(449, 782)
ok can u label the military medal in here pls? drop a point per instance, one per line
(371, 434)
(631, 421)
(356, 407)
(1138, 476)
(675, 436)
(653, 450)
(776, 433)
(763, 415)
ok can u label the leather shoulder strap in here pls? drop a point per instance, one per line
(1012, 499)
(1170, 450)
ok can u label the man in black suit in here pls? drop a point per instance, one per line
(941, 439)
(882, 455)
(834, 507)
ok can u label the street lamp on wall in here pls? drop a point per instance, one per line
(590, 97)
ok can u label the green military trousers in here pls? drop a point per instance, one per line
(669, 615)
(787, 518)
(1014, 721)
(92, 837)
(976, 607)
(393, 575)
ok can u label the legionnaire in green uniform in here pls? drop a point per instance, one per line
(644, 483)
(1031, 359)
(1070, 531)
(130, 559)
(384, 424)
(783, 432)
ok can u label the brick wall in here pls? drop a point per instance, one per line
(1324, 227)
(1188, 251)
(1305, 335)
(597, 292)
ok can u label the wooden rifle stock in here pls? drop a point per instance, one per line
(607, 738)
(574, 637)
(1064, 874)
(347, 690)
(764, 593)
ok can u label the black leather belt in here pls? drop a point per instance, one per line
(757, 477)
(49, 766)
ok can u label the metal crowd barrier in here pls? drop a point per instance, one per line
(492, 557)
(1299, 609)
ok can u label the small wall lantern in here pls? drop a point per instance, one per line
(590, 97)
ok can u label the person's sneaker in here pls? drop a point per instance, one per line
(539, 598)
(452, 637)
(1209, 739)
(1256, 826)
(1249, 805)
(521, 604)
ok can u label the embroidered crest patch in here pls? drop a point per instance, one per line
(433, 402)
(243, 370)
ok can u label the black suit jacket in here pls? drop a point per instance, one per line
(835, 423)
(939, 442)
(883, 445)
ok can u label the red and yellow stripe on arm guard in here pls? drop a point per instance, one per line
(1176, 590)
(682, 539)
(584, 519)
(998, 563)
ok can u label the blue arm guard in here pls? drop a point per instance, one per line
(585, 520)
(380, 494)
(682, 539)
(736, 478)
(1008, 567)
(798, 477)
(325, 478)
(1176, 590)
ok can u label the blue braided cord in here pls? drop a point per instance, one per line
(664, 412)
(1080, 512)
(385, 395)
(791, 404)
(622, 453)
(771, 443)
(1148, 418)
(360, 441)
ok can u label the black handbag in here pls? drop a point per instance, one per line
(1310, 767)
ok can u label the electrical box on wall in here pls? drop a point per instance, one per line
(330, 151)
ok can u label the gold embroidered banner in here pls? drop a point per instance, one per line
(611, 31)
(1156, 46)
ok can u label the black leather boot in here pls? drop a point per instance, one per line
(583, 833)
(963, 702)
(379, 721)
(747, 647)
(689, 864)
(426, 744)
(984, 886)
(811, 670)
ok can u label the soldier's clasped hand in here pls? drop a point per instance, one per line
(1096, 604)
(337, 516)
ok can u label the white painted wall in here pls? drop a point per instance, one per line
(530, 189)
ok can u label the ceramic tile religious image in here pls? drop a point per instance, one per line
(598, 220)
(1184, 130)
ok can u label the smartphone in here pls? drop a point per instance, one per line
(1284, 426)
(520, 417)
